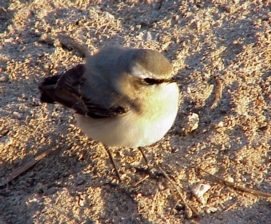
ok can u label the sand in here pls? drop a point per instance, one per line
(221, 54)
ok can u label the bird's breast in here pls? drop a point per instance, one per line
(134, 129)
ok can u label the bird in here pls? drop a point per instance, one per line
(122, 97)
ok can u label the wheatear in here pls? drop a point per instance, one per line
(121, 96)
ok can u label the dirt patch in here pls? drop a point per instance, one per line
(221, 54)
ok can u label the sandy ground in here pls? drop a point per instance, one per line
(221, 55)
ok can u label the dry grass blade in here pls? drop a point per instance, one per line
(239, 188)
(18, 171)
(174, 185)
(141, 180)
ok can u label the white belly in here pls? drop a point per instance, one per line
(136, 129)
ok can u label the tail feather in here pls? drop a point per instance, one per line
(47, 84)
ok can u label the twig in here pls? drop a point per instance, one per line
(236, 187)
(18, 171)
(186, 204)
(174, 185)
(141, 180)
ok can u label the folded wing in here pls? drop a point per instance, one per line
(72, 90)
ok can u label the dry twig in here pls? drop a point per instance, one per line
(174, 185)
(239, 188)
(18, 171)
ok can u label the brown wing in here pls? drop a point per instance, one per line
(68, 90)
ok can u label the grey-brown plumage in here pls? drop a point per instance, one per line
(121, 96)
(66, 89)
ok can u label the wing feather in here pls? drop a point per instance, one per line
(69, 89)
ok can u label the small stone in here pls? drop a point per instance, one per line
(198, 190)
(209, 210)
(192, 122)
(79, 181)
(3, 77)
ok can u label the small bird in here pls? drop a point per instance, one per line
(122, 97)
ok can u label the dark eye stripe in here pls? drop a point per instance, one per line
(151, 81)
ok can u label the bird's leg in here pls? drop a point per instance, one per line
(144, 156)
(112, 161)
(151, 169)
(150, 166)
